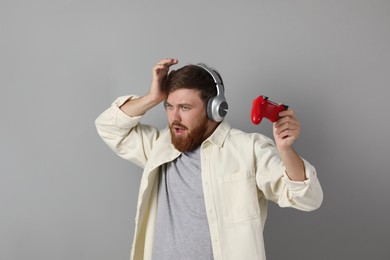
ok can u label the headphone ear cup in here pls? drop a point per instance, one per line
(217, 108)
(209, 109)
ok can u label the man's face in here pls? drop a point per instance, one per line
(187, 119)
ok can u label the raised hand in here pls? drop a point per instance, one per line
(159, 76)
(156, 93)
(286, 130)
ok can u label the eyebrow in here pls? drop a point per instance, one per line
(180, 104)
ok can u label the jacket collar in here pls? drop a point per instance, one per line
(220, 134)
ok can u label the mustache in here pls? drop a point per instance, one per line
(177, 124)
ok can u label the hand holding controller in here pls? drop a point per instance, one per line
(262, 107)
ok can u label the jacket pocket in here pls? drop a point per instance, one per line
(239, 197)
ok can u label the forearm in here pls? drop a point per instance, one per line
(139, 106)
(293, 164)
(124, 135)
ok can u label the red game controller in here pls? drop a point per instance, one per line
(262, 107)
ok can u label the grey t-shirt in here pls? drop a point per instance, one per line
(181, 230)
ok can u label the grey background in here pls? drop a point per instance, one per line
(65, 195)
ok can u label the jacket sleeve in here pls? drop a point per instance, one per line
(273, 181)
(124, 134)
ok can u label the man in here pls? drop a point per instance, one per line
(205, 186)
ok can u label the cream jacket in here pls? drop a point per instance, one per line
(240, 172)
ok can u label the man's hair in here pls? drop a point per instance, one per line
(192, 77)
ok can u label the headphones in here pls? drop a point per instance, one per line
(217, 106)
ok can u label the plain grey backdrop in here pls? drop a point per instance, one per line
(65, 195)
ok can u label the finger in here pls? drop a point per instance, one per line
(287, 112)
(168, 62)
(287, 136)
(287, 120)
(286, 123)
(284, 134)
(286, 127)
(287, 131)
(164, 65)
(287, 117)
(161, 68)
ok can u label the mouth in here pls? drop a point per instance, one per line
(178, 129)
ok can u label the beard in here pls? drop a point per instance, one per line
(192, 139)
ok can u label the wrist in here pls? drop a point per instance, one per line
(154, 98)
(151, 100)
(285, 150)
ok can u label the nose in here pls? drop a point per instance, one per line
(175, 114)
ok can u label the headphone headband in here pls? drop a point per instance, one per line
(217, 79)
(217, 106)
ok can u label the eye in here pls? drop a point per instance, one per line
(168, 106)
(185, 108)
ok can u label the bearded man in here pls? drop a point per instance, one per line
(205, 185)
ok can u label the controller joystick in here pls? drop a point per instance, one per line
(262, 107)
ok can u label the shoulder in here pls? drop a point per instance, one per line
(237, 134)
